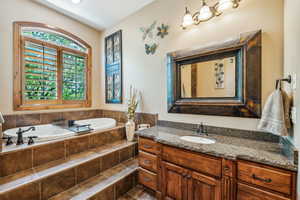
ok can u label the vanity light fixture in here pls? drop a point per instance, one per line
(76, 1)
(187, 18)
(207, 12)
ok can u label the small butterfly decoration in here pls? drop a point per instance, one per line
(148, 32)
(150, 49)
(162, 30)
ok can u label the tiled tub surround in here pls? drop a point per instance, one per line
(45, 170)
(20, 120)
(227, 146)
(17, 158)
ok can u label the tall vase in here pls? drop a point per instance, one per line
(130, 130)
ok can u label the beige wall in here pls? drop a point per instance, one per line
(206, 80)
(148, 73)
(25, 10)
(291, 59)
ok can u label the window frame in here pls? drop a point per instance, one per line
(19, 103)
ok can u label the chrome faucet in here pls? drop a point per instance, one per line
(20, 134)
(201, 130)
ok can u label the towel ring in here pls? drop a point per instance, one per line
(278, 81)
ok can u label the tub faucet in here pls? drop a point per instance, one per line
(20, 134)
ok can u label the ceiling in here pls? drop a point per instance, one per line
(100, 14)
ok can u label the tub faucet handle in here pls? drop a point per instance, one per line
(71, 123)
(8, 140)
(31, 141)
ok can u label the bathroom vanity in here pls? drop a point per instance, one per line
(231, 169)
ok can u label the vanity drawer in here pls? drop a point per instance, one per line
(246, 192)
(148, 161)
(148, 145)
(198, 162)
(147, 179)
(265, 176)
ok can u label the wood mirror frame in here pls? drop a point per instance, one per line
(247, 101)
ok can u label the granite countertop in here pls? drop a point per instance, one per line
(228, 147)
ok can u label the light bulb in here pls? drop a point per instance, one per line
(205, 13)
(76, 1)
(187, 18)
(224, 5)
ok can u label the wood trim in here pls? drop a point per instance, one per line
(18, 102)
(53, 28)
(229, 188)
(17, 84)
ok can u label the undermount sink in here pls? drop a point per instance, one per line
(199, 140)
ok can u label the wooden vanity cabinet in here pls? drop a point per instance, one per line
(178, 174)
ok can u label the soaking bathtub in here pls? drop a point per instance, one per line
(49, 132)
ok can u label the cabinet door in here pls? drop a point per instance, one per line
(204, 188)
(174, 182)
(246, 192)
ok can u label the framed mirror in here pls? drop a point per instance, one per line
(222, 79)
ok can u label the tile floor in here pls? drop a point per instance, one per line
(138, 193)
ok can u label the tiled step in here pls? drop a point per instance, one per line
(47, 180)
(110, 185)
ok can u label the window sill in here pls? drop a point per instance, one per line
(50, 107)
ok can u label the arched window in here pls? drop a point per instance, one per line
(52, 68)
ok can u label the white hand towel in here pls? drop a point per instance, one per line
(275, 117)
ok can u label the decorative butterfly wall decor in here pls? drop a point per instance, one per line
(162, 30)
(148, 32)
(152, 35)
(150, 49)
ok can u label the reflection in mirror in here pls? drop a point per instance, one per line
(209, 79)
